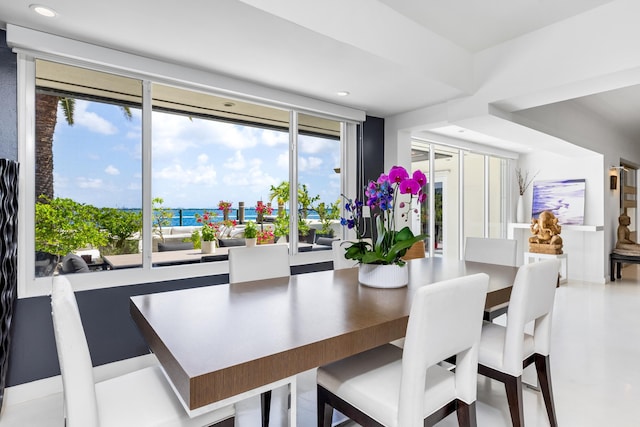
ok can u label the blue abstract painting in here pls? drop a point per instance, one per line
(564, 198)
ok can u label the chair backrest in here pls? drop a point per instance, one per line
(338, 248)
(258, 262)
(80, 403)
(491, 251)
(417, 250)
(445, 320)
(531, 299)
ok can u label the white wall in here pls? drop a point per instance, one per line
(585, 249)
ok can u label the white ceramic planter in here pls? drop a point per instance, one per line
(208, 247)
(250, 242)
(383, 276)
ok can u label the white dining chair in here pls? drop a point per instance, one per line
(338, 248)
(256, 263)
(139, 398)
(387, 386)
(492, 251)
(506, 351)
(416, 251)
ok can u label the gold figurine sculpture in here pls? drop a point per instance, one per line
(546, 234)
(624, 243)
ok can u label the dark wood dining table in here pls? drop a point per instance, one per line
(218, 341)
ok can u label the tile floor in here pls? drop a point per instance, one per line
(595, 366)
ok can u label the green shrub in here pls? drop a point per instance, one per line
(64, 225)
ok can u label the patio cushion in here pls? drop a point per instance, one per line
(231, 242)
(73, 263)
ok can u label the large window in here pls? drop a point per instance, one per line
(88, 167)
(125, 169)
(466, 197)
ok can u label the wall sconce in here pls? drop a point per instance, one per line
(613, 182)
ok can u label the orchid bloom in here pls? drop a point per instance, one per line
(397, 174)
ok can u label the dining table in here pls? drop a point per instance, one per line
(220, 341)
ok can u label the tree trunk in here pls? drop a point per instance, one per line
(46, 118)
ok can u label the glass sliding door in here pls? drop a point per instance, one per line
(88, 169)
(474, 195)
(319, 178)
(440, 223)
(218, 163)
(498, 211)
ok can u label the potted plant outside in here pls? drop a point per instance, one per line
(209, 232)
(250, 233)
(281, 226)
(328, 214)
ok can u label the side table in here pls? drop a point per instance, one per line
(564, 262)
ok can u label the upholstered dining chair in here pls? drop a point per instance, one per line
(492, 251)
(417, 250)
(339, 261)
(139, 398)
(505, 351)
(338, 248)
(256, 263)
(387, 386)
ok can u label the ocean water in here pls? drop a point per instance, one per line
(188, 216)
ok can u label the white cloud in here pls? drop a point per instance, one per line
(60, 181)
(312, 145)
(237, 162)
(306, 164)
(272, 138)
(283, 160)
(112, 170)
(185, 176)
(253, 178)
(91, 120)
(175, 134)
(93, 183)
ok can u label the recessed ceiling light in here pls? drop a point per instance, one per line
(43, 10)
(342, 93)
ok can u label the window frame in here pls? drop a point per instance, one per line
(28, 284)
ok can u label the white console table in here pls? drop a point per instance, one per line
(564, 261)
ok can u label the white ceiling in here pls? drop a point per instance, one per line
(393, 56)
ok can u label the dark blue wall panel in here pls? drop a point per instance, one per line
(8, 104)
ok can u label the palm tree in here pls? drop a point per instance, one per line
(46, 120)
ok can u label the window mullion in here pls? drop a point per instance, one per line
(293, 182)
(146, 176)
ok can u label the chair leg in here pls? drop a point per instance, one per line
(544, 379)
(229, 422)
(466, 414)
(325, 411)
(513, 385)
(265, 405)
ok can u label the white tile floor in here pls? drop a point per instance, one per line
(595, 366)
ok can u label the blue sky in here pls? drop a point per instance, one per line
(196, 163)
